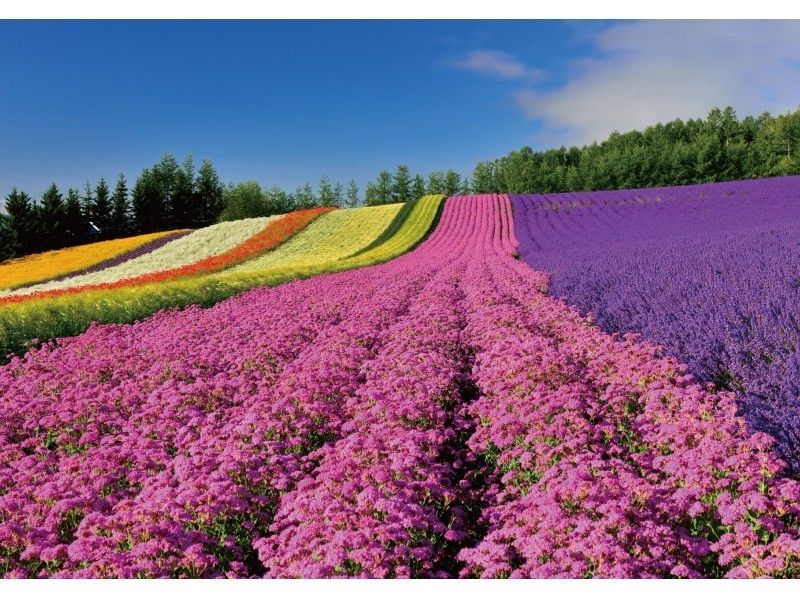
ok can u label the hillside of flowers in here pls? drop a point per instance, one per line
(709, 272)
(437, 415)
(199, 245)
(72, 261)
(27, 319)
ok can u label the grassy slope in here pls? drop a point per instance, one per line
(72, 314)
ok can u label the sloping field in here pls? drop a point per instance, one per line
(61, 262)
(333, 236)
(709, 272)
(199, 245)
(50, 317)
(433, 416)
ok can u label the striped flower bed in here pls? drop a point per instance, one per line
(274, 231)
(41, 267)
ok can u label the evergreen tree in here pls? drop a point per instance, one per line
(464, 189)
(418, 187)
(325, 192)
(183, 199)
(381, 191)
(436, 182)
(21, 220)
(101, 207)
(718, 148)
(208, 190)
(452, 183)
(120, 207)
(8, 239)
(371, 194)
(87, 202)
(278, 201)
(352, 194)
(482, 179)
(304, 197)
(52, 221)
(338, 195)
(161, 188)
(74, 220)
(147, 199)
(401, 184)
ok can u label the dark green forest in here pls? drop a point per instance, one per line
(720, 147)
(169, 195)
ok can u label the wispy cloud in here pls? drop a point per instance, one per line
(496, 64)
(643, 72)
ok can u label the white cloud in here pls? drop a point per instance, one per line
(496, 64)
(652, 71)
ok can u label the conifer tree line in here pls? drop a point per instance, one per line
(169, 195)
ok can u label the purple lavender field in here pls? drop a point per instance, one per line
(710, 272)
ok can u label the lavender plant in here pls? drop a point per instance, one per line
(709, 272)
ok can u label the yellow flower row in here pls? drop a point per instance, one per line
(60, 262)
(331, 237)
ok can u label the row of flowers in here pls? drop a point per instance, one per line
(334, 236)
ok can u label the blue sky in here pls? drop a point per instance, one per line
(284, 102)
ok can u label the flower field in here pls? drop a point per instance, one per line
(709, 272)
(62, 262)
(66, 312)
(201, 244)
(437, 415)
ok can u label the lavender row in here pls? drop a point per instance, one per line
(709, 272)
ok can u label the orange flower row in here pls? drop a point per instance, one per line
(269, 238)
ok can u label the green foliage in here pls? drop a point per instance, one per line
(182, 200)
(8, 239)
(436, 182)
(51, 218)
(401, 184)
(208, 195)
(326, 195)
(352, 200)
(417, 187)
(244, 200)
(74, 221)
(22, 219)
(380, 192)
(304, 197)
(149, 205)
(100, 208)
(718, 148)
(120, 206)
